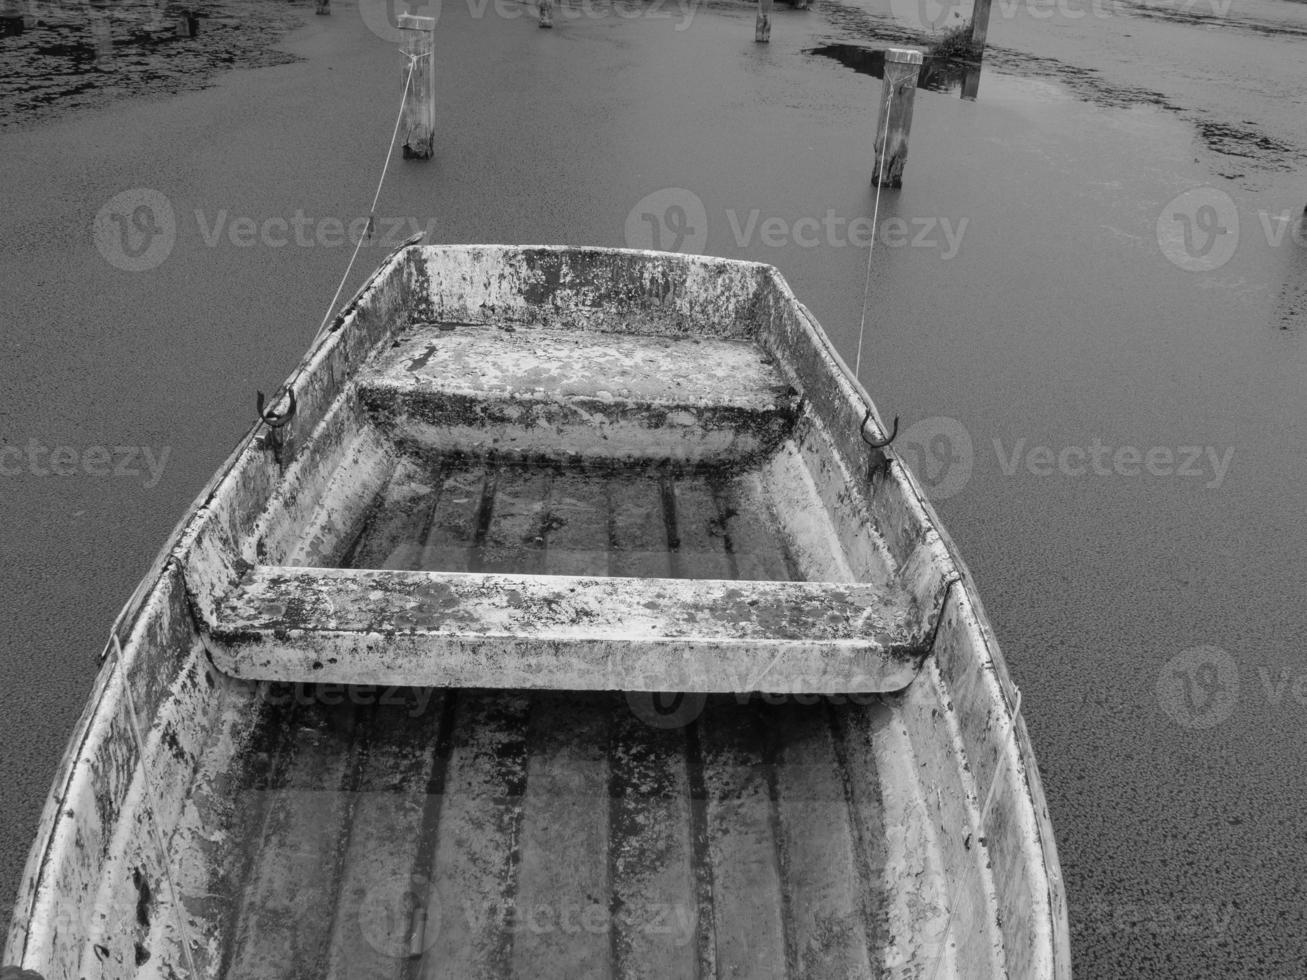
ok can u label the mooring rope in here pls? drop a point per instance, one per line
(289, 384)
(875, 218)
(153, 814)
(372, 211)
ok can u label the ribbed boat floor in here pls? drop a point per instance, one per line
(467, 833)
(547, 835)
(465, 515)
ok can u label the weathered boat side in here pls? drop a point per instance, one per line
(970, 869)
(154, 645)
(972, 677)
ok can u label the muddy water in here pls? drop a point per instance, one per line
(1231, 70)
(937, 74)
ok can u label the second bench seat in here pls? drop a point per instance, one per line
(424, 629)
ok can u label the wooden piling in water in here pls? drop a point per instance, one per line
(971, 82)
(15, 17)
(979, 26)
(101, 37)
(420, 102)
(762, 27)
(902, 66)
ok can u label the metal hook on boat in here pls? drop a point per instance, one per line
(271, 419)
(878, 443)
(274, 440)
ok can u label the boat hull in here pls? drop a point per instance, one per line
(162, 826)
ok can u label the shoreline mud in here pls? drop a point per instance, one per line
(79, 56)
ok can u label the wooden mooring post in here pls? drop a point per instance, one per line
(762, 28)
(101, 37)
(420, 102)
(902, 66)
(979, 26)
(15, 17)
(970, 82)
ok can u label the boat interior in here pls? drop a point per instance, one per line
(557, 634)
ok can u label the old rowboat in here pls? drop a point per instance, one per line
(393, 702)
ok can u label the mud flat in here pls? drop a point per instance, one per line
(80, 56)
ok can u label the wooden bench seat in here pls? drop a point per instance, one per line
(478, 388)
(425, 629)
